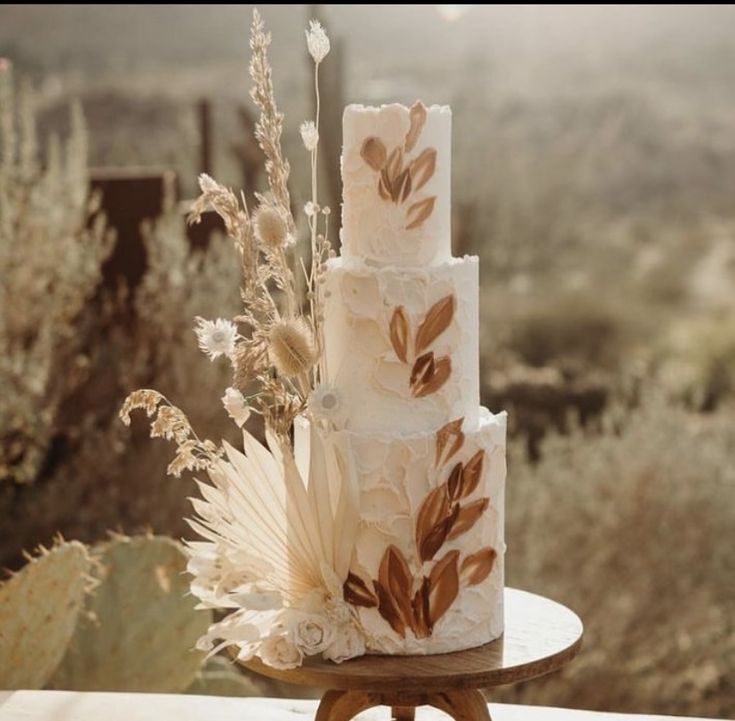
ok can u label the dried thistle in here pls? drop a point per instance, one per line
(271, 229)
(291, 348)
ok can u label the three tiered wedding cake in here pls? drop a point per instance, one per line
(401, 355)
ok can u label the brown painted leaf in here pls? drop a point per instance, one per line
(472, 474)
(454, 482)
(399, 333)
(388, 610)
(394, 576)
(436, 536)
(357, 592)
(449, 436)
(417, 117)
(403, 186)
(383, 192)
(420, 625)
(477, 567)
(437, 320)
(385, 185)
(419, 212)
(443, 586)
(442, 369)
(423, 168)
(422, 371)
(433, 513)
(373, 152)
(468, 516)
(394, 165)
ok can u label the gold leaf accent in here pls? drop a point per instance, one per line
(443, 586)
(441, 369)
(467, 517)
(436, 322)
(419, 212)
(454, 482)
(373, 152)
(423, 370)
(449, 436)
(434, 522)
(357, 592)
(477, 567)
(471, 474)
(394, 576)
(423, 168)
(399, 333)
(417, 118)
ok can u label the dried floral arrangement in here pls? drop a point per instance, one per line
(278, 538)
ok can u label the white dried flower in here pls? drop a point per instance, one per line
(310, 209)
(317, 41)
(279, 651)
(326, 402)
(312, 632)
(217, 337)
(236, 406)
(348, 642)
(309, 134)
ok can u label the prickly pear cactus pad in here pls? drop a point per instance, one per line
(141, 626)
(39, 607)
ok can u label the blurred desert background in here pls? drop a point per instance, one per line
(594, 175)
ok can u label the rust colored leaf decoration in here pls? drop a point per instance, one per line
(373, 152)
(468, 516)
(394, 165)
(399, 333)
(450, 437)
(417, 118)
(431, 522)
(437, 320)
(477, 567)
(395, 577)
(443, 586)
(472, 474)
(403, 186)
(357, 592)
(454, 482)
(419, 212)
(441, 370)
(422, 371)
(420, 625)
(388, 610)
(423, 168)
(383, 190)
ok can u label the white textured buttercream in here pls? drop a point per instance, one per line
(362, 363)
(374, 228)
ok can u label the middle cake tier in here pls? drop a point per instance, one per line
(401, 344)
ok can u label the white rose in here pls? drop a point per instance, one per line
(312, 632)
(348, 642)
(279, 651)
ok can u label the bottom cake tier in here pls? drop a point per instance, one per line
(427, 574)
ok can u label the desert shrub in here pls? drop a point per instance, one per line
(632, 528)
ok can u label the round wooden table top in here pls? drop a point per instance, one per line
(540, 636)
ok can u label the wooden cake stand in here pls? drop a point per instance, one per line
(540, 636)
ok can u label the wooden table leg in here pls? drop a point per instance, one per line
(461, 705)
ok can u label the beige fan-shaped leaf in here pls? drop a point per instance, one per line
(468, 516)
(450, 438)
(443, 586)
(437, 320)
(423, 168)
(442, 369)
(373, 152)
(477, 567)
(399, 333)
(472, 474)
(357, 593)
(417, 120)
(419, 212)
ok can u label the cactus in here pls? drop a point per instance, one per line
(142, 624)
(39, 608)
(219, 677)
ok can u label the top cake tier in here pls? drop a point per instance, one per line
(396, 174)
